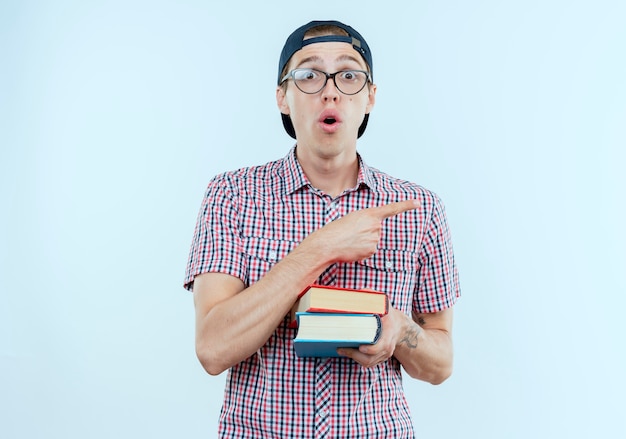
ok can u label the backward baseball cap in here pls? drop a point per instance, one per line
(296, 42)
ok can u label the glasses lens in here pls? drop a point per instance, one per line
(308, 80)
(350, 81)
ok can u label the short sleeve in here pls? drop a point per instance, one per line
(216, 244)
(438, 279)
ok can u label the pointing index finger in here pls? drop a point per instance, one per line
(395, 208)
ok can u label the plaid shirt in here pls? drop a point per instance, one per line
(250, 219)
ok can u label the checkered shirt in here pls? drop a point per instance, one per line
(249, 220)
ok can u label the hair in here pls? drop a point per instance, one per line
(325, 29)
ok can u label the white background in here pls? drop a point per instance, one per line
(114, 116)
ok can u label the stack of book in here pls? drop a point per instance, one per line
(328, 318)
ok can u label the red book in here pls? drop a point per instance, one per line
(328, 299)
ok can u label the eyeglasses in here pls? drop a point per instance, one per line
(311, 81)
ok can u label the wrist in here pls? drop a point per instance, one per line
(409, 333)
(316, 250)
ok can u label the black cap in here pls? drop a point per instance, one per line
(296, 42)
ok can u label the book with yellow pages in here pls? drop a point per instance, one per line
(321, 334)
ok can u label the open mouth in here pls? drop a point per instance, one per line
(330, 121)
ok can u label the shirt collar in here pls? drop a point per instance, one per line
(295, 178)
(366, 175)
(293, 174)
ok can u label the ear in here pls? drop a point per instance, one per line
(371, 98)
(281, 100)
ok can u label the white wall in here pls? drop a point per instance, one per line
(114, 116)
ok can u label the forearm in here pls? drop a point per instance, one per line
(425, 352)
(234, 328)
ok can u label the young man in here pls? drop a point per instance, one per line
(320, 215)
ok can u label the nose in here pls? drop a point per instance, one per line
(330, 91)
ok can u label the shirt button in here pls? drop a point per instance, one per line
(273, 254)
(388, 264)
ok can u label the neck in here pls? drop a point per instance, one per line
(331, 173)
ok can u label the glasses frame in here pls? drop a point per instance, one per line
(328, 76)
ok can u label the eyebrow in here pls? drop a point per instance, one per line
(318, 59)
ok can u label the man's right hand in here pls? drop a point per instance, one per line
(355, 236)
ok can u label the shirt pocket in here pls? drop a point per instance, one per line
(394, 272)
(261, 254)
